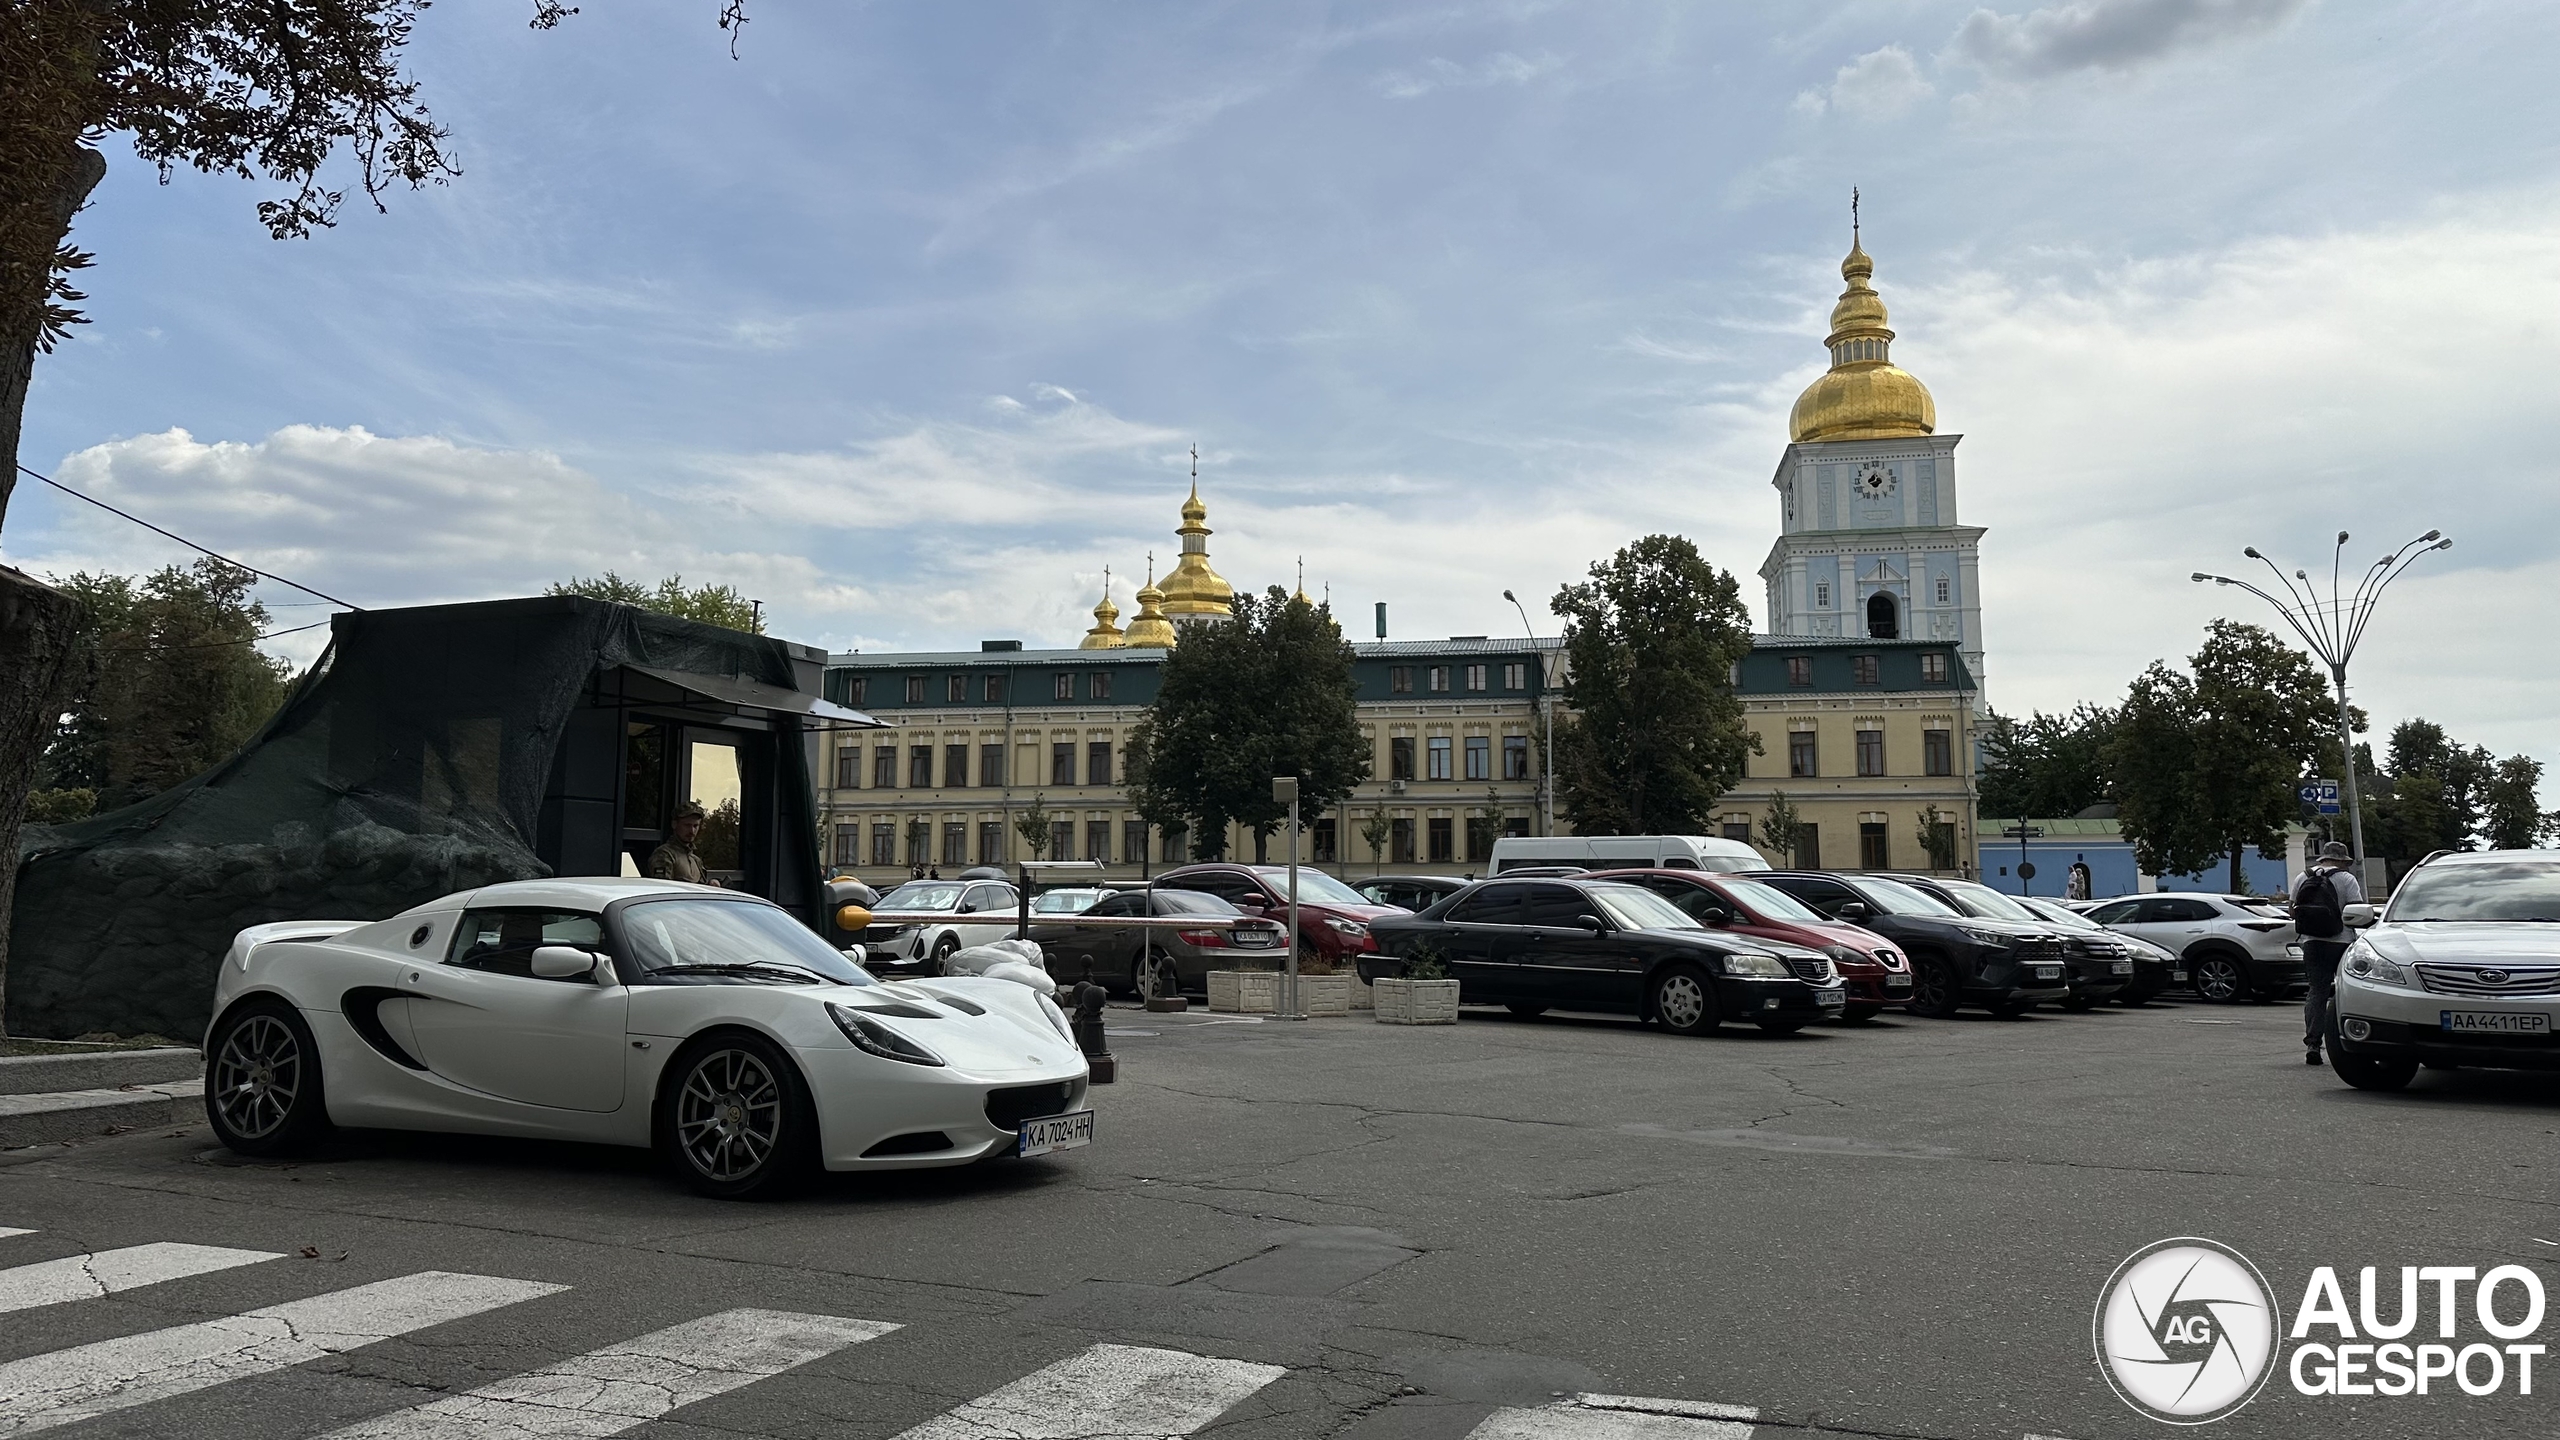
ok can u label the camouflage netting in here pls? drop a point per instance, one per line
(411, 762)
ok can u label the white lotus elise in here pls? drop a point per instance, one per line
(707, 1024)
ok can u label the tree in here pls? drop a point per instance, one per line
(253, 88)
(2511, 806)
(1269, 693)
(2046, 765)
(1655, 735)
(1937, 838)
(167, 681)
(711, 604)
(1782, 829)
(919, 835)
(1033, 826)
(2207, 764)
(1377, 830)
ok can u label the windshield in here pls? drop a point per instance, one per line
(1315, 885)
(1892, 898)
(1990, 904)
(676, 934)
(923, 895)
(1192, 902)
(2046, 910)
(1064, 902)
(1771, 902)
(1641, 909)
(2510, 890)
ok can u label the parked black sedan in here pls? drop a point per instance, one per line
(1956, 960)
(1536, 945)
(1156, 962)
(1411, 892)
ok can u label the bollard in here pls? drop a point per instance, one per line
(1089, 1033)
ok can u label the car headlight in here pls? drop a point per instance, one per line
(1057, 1019)
(1765, 966)
(1842, 954)
(1991, 938)
(1351, 928)
(874, 1038)
(2365, 965)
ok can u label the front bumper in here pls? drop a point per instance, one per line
(2409, 1024)
(1876, 985)
(2004, 978)
(878, 1115)
(1746, 1000)
(2096, 978)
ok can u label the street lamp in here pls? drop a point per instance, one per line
(2332, 627)
(1546, 703)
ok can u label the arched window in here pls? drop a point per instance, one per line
(1884, 618)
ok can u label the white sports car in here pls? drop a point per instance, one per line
(709, 1025)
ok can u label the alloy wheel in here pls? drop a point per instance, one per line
(2218, 979)
(1157, 980)
(1681, 1002)
(257, 1076)
(729, 1115)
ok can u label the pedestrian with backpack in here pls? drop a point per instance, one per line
(2320, 900)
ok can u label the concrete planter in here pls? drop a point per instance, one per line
(1417, 1002)
(1244, 992)
(1326, 994)
(1363, 994)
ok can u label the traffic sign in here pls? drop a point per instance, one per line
(2321, 795)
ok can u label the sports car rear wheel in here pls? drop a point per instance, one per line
(262, 1090)
(736, 1120)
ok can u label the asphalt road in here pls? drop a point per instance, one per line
(1332, 1228)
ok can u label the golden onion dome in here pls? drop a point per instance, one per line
(1105, 634)
(1193, 588)
(1150, 631)
(1864, 395)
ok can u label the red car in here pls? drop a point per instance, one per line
(1333, 918)
(1877, 974)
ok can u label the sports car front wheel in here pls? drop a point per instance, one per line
(262, 1090)
(736, 1121)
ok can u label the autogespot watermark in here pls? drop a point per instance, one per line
(2187, 1331)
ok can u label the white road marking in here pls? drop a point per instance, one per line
(1620, 1417)
(1124, 1392)
(8, 1230)
(608, 1391)
(86, 1277)
(64, 1386)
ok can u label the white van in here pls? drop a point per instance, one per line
(1625, 852)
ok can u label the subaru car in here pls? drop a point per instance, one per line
(2463, 968)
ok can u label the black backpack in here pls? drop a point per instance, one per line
(2316, 912)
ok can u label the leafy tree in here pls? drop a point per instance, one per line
(1655, 735)
(919, 836)
(168, 680)
(1033, 826)
(61, 807)
(1782, 829)
(1269, 693)
(1937, 836)
(711, 604)
(1377, 830)
(2511, 806)
(2046, 765)
(2207, 764)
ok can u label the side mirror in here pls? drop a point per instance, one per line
(2359, 916)
(1588, 922)
(1715, 915)
(1252, 906)
(1852, 911)
(562, 962)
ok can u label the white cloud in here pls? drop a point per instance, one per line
(1436, 73)
(1878, 85)
(2107, 34)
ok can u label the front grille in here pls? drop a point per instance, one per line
(2517, 980)
(1009, 1107)
(914, 1142)
(1816, 971)
(881, 934)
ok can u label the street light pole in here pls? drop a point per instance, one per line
(2333, 627)
(1285, 787)
(1547, 704)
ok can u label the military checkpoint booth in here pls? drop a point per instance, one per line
(430, 750)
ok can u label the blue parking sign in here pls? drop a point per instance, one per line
(2322, 795)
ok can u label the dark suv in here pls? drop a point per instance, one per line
(1333, 918)
(2004, 966)
(2100, 965)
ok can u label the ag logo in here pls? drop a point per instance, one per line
(2185, 1331)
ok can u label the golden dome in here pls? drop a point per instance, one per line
(1150, 631)
(1105, 634)
(1864, 395)
(1193, 588)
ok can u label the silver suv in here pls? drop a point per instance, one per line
(2234, 947)
(2462, 969)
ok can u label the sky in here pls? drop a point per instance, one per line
(905, 320)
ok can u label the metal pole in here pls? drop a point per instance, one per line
(1296, 1011)
(2347, 757)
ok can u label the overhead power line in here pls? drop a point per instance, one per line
(190, 544)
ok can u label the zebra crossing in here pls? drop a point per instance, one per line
(1103, 1392)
